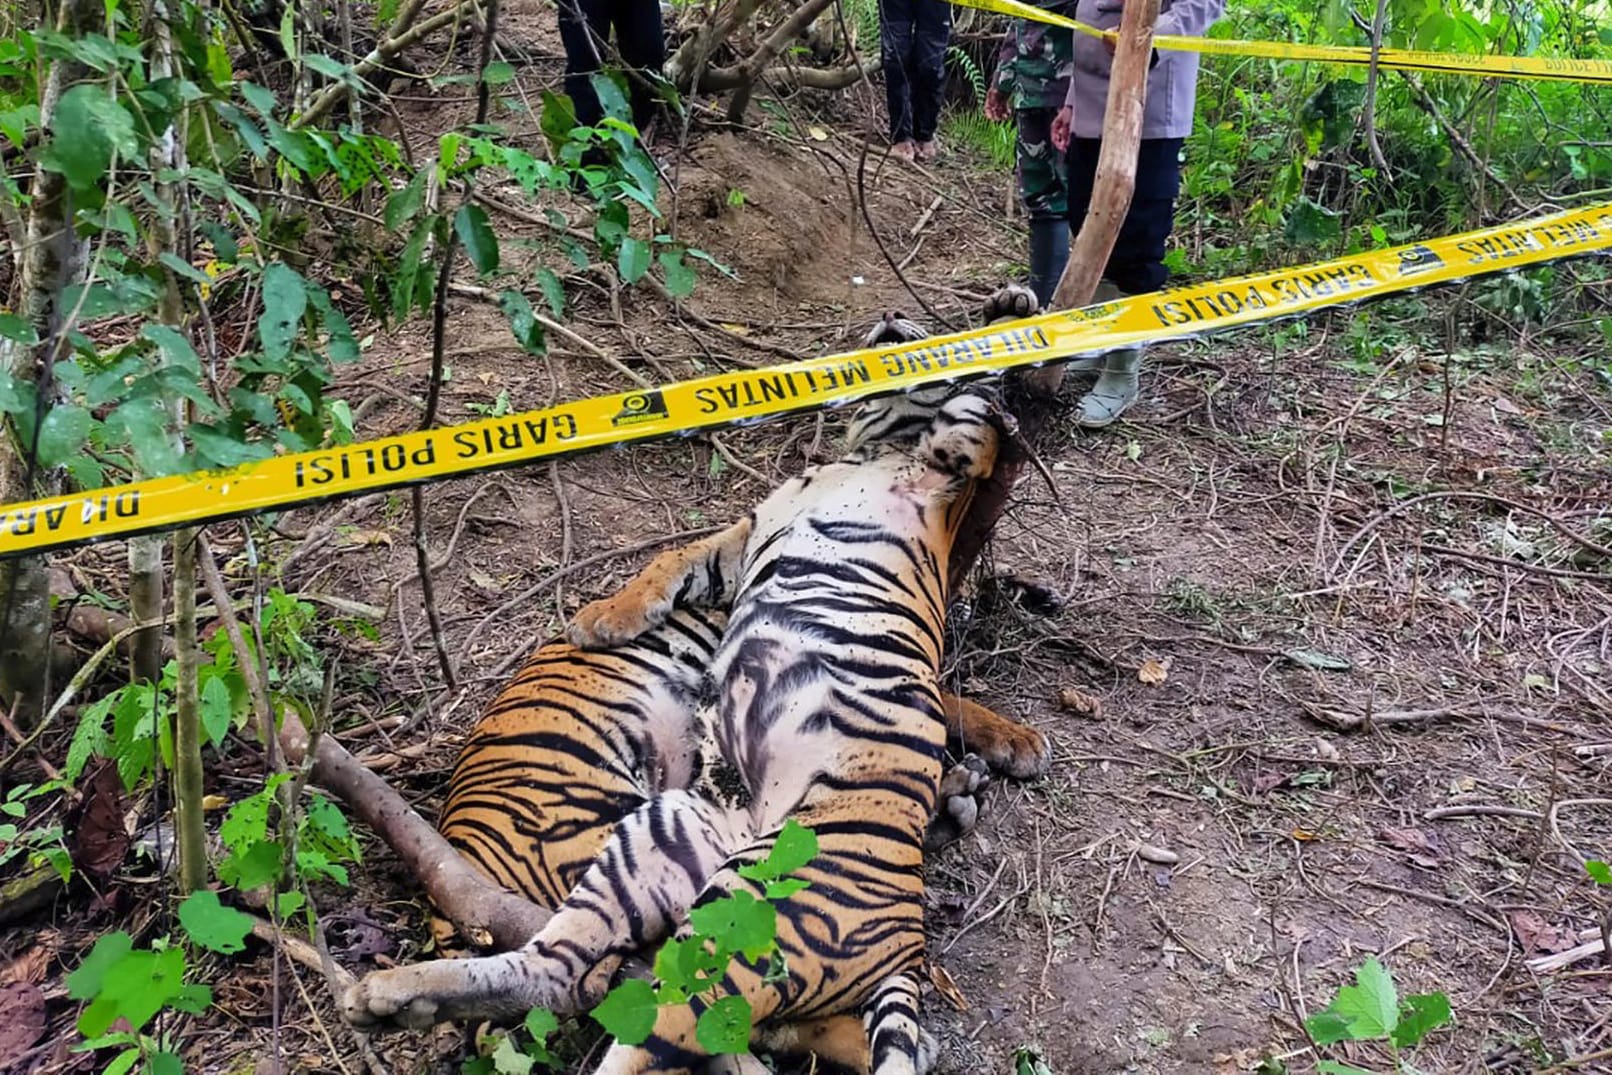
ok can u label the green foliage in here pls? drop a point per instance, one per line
(737, 926)
(40, 843)
(1278, 167)
(1599, 872)
(1371, 1010)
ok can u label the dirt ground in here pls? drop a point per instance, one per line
(1341, 591)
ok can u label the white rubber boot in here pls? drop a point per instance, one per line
(1118, 384)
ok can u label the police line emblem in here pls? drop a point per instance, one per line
(640, 407)
(1415, 260)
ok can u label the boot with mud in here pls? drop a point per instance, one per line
(1118, 382)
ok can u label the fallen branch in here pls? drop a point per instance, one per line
(401, 35)
(1595, 943)
(483, 913)
(804, 78)
(770, 47)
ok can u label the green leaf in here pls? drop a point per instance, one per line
(185, 269)
(403, 205)
(135, 988)
(123, 1062)
(1371, 1006)
(285, 299)
(1328, 1028)
(1599, 872)
(612, 101)
(793, 847)
(217, 710)
(1423, 1014)
(741, 922)
(679, 276)
(540, 1023)
(498, 72)
(326, 66)
(221, 449)
(62, 434)
(559, 117)
(633, 259)
(688, 966)
(553, 291)
(212, 925)
(522, 321)
(724, 1027)
(85, 982)
(782, 890)
(144, 425)
(509, 1060)
(628, 1011)
(176, 349)
(1311, 224)
(252, 866)
(287, 904)
(163, 1062)
(87, 129)
(471, 225)
(1332, 1067)
(194, 999)
(15, 328)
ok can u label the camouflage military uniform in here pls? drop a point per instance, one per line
(1033, 71)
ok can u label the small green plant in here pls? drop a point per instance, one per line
(518, 1051)
(736, 198)
(1599, 872)
(735, 926)
(121, 982)
(1370, 1010)
(1027, 1061)
(41, 843)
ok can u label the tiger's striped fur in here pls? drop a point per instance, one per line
(829, 711)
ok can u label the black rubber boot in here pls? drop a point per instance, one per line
(1049, 251)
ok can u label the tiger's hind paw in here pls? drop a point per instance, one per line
(1010, 302)
(957, 809)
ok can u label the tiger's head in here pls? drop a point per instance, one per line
(901, 421)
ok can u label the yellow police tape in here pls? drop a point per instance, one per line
(1564, 69)
(750, 395)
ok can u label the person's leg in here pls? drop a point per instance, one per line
(584, 29)
(932, 36)
(642, 41)
(896, 46)
(1136, 267)
(1043, 188)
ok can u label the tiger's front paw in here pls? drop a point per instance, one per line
(608, 622)
(1010, 302)
(1018, 750)
(390, 1000)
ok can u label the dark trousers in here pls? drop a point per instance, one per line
(1137, 263)
(913, 35)
(585, 32)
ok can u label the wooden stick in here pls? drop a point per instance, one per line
(1114, 184)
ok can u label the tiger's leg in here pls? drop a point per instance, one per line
(893, 1033)
(704, 574)
(837, 1039)
(643, 883)
(1016, 749)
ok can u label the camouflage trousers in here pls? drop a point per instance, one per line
(1043, 171)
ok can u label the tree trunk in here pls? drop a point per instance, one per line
(52, 258)
(770, 47)
(1088, 257)
(685, 65)
(188, 774)
(145, 607)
